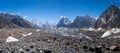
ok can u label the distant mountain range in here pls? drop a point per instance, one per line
(110, 18)
(13, 21)
(79, 22)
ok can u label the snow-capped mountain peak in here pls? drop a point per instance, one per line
(64, 22)
(63, 17)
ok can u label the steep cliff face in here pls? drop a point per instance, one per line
(110, 18)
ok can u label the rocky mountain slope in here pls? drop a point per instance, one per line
(13, 21)
(82, 22)
(109, 18)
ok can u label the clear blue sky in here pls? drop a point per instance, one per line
(51, 10)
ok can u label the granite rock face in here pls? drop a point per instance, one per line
(109, 18)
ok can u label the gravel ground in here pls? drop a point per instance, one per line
(42, 42)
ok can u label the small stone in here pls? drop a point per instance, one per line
(107, 48)
(85, 47)
(1, 51)
(38, 49)
(21, 52)
(115, 48)
(38, 40)
(47, 51)
(27, 50)
(12, 51)
(31, 46)
(98, 48)
(91, 49)
(68, 43)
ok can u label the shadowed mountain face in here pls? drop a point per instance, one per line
(82, 22)
(110, 18)
(13, 21)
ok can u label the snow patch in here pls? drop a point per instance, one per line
(115, 30)
(91, 29)
(81, 36)
(37, 30)
(24, 35)
(99, 29)
(29, 33)
(11, 39)
(72, 35)
(116, 37)
(110, 32)
(103, 20)
(107, 33)
(60, 31)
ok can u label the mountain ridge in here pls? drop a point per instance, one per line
(13, 21)
(82, 22)
(109, 18)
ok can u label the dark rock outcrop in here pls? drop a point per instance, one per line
(109, 18)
